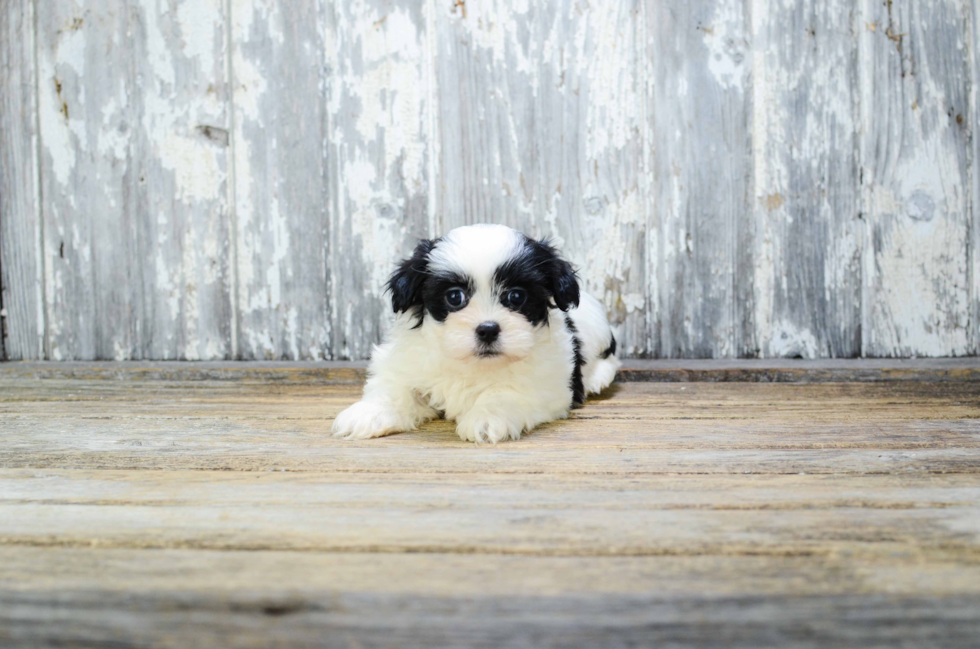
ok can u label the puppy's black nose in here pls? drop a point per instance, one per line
(488, 332)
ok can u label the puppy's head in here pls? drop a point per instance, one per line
(486, 288)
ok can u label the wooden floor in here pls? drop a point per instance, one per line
(141, 508)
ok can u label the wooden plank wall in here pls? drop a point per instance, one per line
(735, 178)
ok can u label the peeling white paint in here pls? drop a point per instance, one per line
(723, 37)
(60, 92)
(558, 139)
(391, 90)
(916, 251)
(613, 103)
(55, 131)
(196, 171)
(197, 31)
(493, 26)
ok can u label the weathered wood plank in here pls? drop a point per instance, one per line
(379, 158)
(962, 369)
(540, 127)
(808, 233)
(21, 300)
(593, 189)
(207, 446)
(181, 598)
(132, 113)
(280, 141)
(487, 72)
(638, 428)
(914, 80)
(89, 179)
(557, 530)
(409, 491)
(274, 576)
(410, 621)
(534, 515)
(701, 282)
(973, 271)
(182, 212)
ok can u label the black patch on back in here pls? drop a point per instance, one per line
(611, 349)
(549, 280)
(578, 388)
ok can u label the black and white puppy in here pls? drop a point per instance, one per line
(491, 331)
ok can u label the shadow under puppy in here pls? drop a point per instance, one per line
(491, 331)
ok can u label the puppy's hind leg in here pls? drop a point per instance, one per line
(598, 374)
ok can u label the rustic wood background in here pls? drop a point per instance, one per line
(209, 179)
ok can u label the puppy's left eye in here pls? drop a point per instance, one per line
(516, 297)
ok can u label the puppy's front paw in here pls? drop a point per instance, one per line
(367, 419)
(482, 427)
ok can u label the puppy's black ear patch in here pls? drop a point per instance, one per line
(560, 275)
(405, 284)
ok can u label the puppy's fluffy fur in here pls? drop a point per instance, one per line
(491, 331)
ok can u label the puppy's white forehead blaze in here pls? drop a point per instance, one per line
(476, 251)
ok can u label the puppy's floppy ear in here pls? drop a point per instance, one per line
(560, 275)
(405, 284)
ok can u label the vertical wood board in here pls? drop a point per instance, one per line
(182, 213)
(281, 202)
(22, 319)
(916, 178)
(973, 51)
(594, 195)
(807, 252)
(378, 159)
(89, 179)
(700, 60)
(487, 70)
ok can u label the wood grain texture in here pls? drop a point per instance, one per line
(424, 600)
(22, 322)
(638, 428)
(915, 166)
(593, 184)
(973, 270)
(928, 370)
(748, 514)
(532, 515)
(379, 150)
(700, 62)
(89, 179)
(182, 90)
(134, 177)
(486, 71)
(280, 63)
(540, 127)
(808, 233)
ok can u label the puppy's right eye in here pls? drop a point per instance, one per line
(455, 298)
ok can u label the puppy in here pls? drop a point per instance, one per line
(491, 331)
